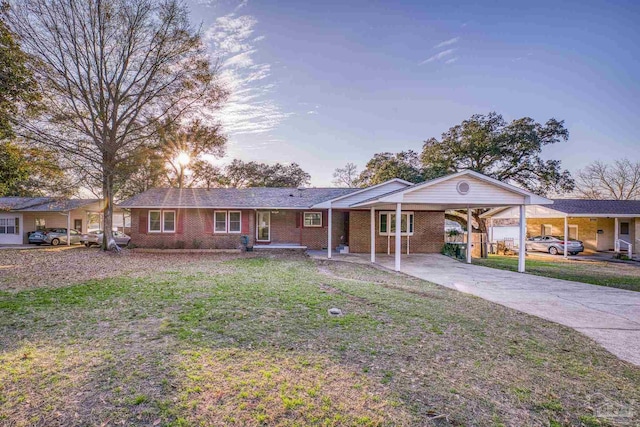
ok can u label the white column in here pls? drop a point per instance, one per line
(522, 249)
(69, 228)
(616, 235)
(469, 229)
(329, 233)
(398, 248)
(566, 235)
(373, 234)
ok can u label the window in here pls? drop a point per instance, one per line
(9, 225)
(313, 219)
(155, 225)
(235, 222)
(40, 224)
(545, 229)
(220, 222)
(573, 232)
(388, 222)
(168, 221)
(624, 228)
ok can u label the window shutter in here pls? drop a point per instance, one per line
(208, 221)
(142, 222)
(298, 219)
(245, 222)
(180, 221)
(324, 219)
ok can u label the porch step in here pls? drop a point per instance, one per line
(342, 249)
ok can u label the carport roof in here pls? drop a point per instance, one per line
(42, 204)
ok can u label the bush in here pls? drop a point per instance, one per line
(180, 244)
(197, 244)
(454, 250)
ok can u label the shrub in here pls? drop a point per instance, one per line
(454, 250)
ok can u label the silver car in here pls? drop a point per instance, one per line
(95, 238)
(554, 245)
(54, 236)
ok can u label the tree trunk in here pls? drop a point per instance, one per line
(108, 242)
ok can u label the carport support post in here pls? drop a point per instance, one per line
(469, 229)
(522, 248)
(373, 234)
(69, 228)
(616, 236)
(566, 235)
(329, 233)
(398, 247)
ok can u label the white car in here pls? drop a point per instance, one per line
(95, 238)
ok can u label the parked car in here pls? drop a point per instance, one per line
(53, 236)
(95, 238)
(554, 245)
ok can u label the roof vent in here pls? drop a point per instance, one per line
(463, 187)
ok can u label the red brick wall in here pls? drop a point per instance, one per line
(428, 235)
(194, 228)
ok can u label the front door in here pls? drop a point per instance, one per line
(624, 234)
(264, 226)
(77, 225)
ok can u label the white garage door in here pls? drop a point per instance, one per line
(11, 229)
(501, 233)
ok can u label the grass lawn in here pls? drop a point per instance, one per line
(204, 340)
(615, 275)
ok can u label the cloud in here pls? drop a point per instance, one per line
(447, 43)
(250, 108)
(438, 56)
(451, 61)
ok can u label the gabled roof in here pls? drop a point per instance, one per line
(247, 198)
(597, 207)
(360, 191)
(42, 204)
(533, 198)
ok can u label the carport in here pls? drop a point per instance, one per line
(465, 190)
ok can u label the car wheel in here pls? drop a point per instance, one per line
(553, 250)
(55, 242)
(128, 245)
(88, 245)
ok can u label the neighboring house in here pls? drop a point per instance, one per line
(598, 223)
(21, 215)
(317, 218)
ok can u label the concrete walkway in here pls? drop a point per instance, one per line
(609, 316)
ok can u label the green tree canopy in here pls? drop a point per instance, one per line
(385, 166)
(18, 88)
(253, 174)
(509, 152)
(31, 172)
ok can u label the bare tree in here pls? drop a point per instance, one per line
(619, 180)
(110, 71)
(346, 176)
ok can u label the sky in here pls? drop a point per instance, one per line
(331, 82)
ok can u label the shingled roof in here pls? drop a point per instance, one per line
(42, 204)
(597, 207)
(250, 198)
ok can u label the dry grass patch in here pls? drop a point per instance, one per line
(235, 387)
(45, 385)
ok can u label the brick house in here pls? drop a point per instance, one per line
(599, 224)
(365, 220)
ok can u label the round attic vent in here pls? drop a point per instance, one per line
(463, 187)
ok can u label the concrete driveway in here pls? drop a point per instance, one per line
(609, 316)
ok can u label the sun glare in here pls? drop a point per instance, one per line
(183, 159)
